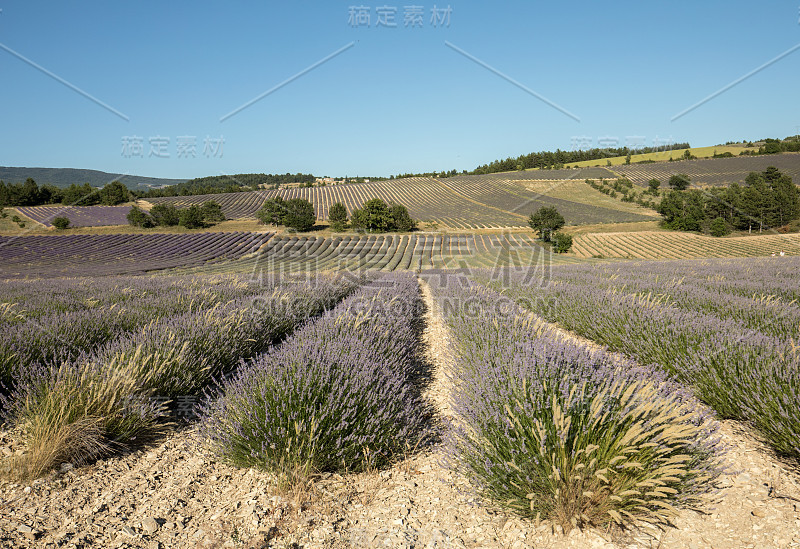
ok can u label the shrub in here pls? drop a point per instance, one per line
(559, 431)
(562, 242)
(546, 221)
(165, 215)
(335, 396)
(139, 218)
(191, 217)
(61, 223)
(212, 212)
(299, 214)
(78, 412)
(373, 216)
(15, 218)
(400, 218)
(718, 227)
(272, 212)
(338, 216)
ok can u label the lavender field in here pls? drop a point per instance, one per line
(303, 375)
(117, 254)
(79, 216)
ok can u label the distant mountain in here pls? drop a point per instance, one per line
(64, 177)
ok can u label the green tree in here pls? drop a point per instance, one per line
(114, 193)
(212, 211)
(546, 221)
(562, 242)
(139, 218)
(373, 216)
(191, 217)
(679, 181)
(682, 210)
(299, 214)
(718, 227)
(337, 216)
(272, 212)
(653, 185)
(400, 218)
(165, 215)
(61, 222)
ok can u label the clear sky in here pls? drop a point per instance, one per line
(394, 99)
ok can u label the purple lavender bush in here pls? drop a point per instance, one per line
(335, 396)
(742, 373)
(556, 430)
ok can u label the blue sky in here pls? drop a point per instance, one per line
(399, 99)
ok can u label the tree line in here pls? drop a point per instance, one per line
(169, 215)
(30, 193)
(550, 159)
(216, 184)
(375, 215)
(766, 200)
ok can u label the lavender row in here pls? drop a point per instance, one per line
(337, 395)
(742, 373)
(65, 336)
(115, 254)
(24, 300)
(558, 430)
(93, 405)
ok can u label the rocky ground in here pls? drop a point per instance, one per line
(171, 494)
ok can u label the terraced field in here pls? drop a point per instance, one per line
(115, 254)
(712, 171)
(463, 202)
(676, 245)
(79, 216)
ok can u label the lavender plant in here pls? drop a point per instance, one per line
(556, 430)
(334, 396)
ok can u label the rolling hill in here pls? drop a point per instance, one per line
(64, 177)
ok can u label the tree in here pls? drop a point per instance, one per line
(212, 211)
(682, 210)
(718, 227)
(61, 222)
(272, 212)
(679, 181)
(562, 242)
(114, 193)
(138, 218)
(165, 215)
(373, 216)
(400, 218)
(653, 185)
(191, 217)
(545, 221)
(299, 214)
(337, 216)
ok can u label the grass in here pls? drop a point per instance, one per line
(663, 156)
(579, 191)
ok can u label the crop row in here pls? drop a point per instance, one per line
(746, 369)
(395, 252)
(111, 387)
(711, 171)
(671, 245)
(79, 216)
(93, 255)
(337, 395)
(559, 430)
